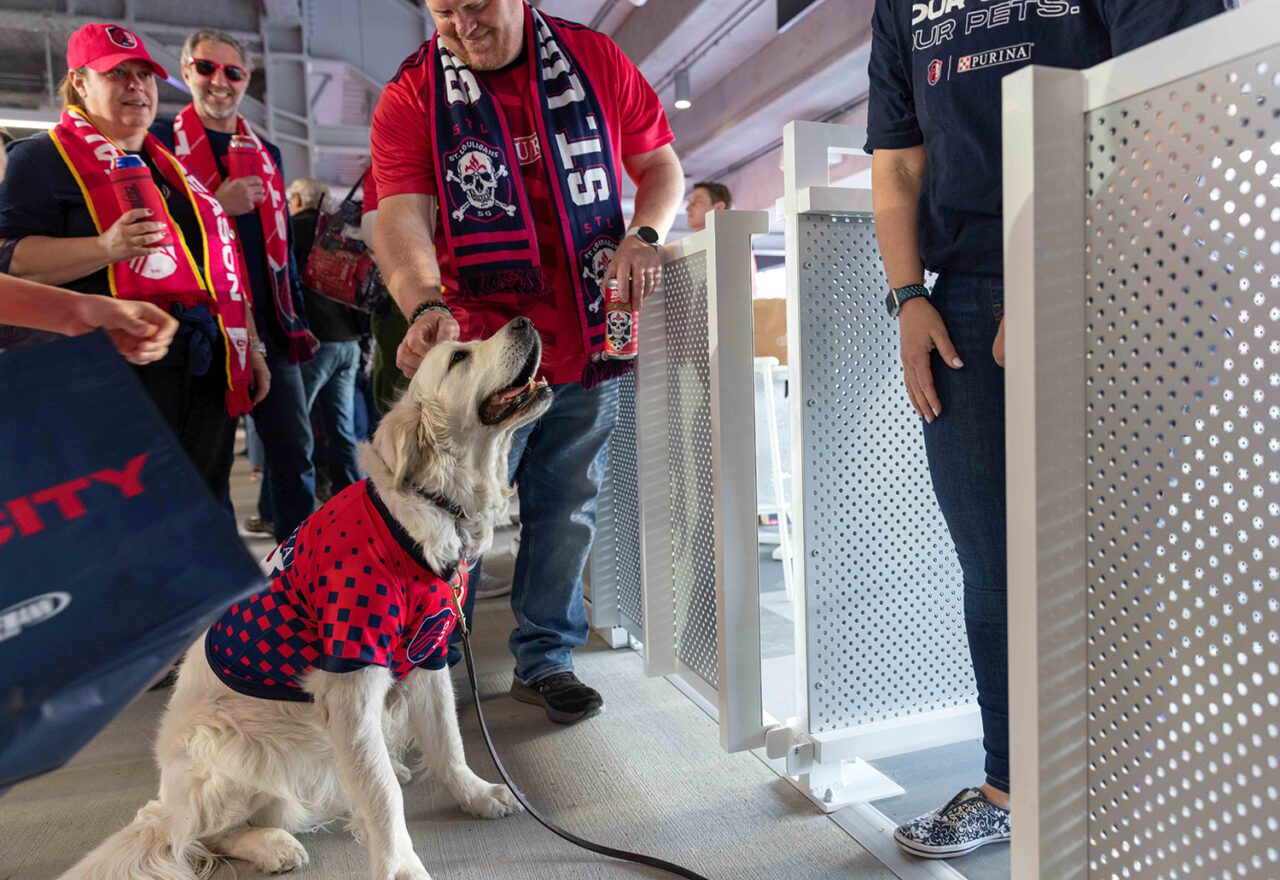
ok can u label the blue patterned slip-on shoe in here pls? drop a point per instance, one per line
(967, 822)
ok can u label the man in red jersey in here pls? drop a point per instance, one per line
(516, 126)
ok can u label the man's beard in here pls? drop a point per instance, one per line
(206, 109)
(487, 59)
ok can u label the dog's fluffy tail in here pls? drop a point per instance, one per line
(154, 847)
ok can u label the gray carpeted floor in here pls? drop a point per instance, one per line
(647, 775)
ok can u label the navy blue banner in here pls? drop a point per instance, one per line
(114, 556)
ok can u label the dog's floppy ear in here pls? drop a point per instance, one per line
(417, 436)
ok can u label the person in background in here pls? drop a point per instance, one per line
(933, 129)
(329, 379)
(706, 196)
(530, 225)
(59, 211)
(216, 68)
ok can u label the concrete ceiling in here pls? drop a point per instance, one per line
(748, 79)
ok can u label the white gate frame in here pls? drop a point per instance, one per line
(831, 766)
(1045, 387)
(736, 703)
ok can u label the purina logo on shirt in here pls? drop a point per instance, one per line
(994, 57)
(935, 71)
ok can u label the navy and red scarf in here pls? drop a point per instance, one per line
(484, 209)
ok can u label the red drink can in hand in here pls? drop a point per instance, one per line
(134, 188)
(621, 324)
(242, 157)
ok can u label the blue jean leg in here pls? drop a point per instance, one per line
(558, 466)
(330, 380)
(284, 425)
(965, 446)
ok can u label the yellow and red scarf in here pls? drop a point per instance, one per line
(191, 145)
(172, 276)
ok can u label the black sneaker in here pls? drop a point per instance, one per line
(256, 525)
(968, 821)
(566, 699)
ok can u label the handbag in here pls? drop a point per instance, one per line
(339, 266)
(114, 556)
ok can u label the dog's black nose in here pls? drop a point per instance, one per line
(521, 324)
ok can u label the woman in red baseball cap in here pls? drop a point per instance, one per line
(75, 228)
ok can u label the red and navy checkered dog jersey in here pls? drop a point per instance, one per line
(348, 589)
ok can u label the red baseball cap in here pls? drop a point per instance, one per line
(103, 46)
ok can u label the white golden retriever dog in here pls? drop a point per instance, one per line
(240, 775)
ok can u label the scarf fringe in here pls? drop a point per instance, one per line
(237, 400)
(521, 282)
(601, 371)
(299, 349)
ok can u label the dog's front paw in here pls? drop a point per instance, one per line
(402, 771)
(405, 865)
(489, 801)
(272, 851)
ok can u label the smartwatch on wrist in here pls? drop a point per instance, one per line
(647, 234)
(899, 295)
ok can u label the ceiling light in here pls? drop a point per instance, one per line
(683, 99)
(26, 123)
(639, 2)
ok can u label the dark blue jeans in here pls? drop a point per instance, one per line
(965, 446)
(283, 422)
(330, 381)
(558, 464)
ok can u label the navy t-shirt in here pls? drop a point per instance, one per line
(252, 241)
(935, 72)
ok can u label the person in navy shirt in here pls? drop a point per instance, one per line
(933, 130)
(216, 69)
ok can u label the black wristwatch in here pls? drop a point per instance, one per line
(647, 234)
(897, 296)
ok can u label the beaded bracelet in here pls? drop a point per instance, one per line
(427, 306)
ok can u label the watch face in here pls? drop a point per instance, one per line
(891, 303)
(647, 234)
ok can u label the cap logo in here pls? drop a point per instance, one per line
(121, 37)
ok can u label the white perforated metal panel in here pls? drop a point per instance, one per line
(883, 587)
(689, 432)
(1183, 281)
(626, 507)
(615, 556)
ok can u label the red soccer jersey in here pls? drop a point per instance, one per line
(348, 589)
(403, 163)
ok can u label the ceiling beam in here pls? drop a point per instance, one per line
(651, 26)
(809, 70)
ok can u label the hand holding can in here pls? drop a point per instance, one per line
(131, 179)
(621, 323)
(242, 157)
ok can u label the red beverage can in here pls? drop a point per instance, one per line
(134, 188)
(242, 157)
(621, 324)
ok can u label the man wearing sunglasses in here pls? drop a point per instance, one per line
(216, 68)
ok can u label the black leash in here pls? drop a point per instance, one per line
(609, 851)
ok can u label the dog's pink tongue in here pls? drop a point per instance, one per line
(508, 396)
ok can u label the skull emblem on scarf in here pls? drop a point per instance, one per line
(593, 272)
(478, 175)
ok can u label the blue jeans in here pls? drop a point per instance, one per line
(557, 464)
(330, 380)
(288, 492)
(965, 446)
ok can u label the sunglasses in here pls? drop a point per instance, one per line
(233, 72)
